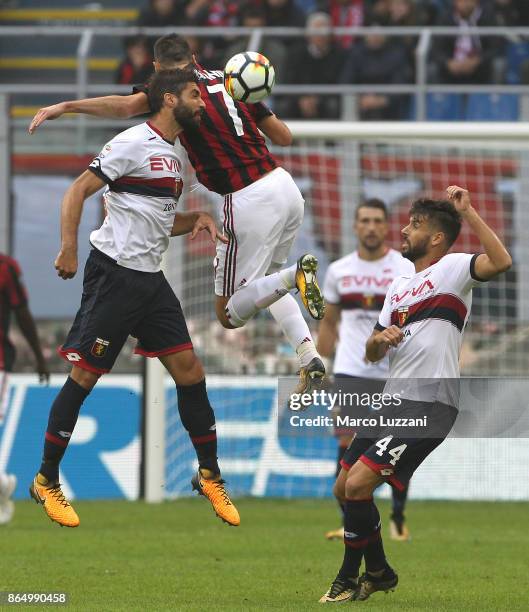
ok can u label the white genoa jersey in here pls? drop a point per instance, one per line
(432, 308)
(143, 176)
(359, 287)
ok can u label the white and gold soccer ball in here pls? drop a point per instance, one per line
(249, 77)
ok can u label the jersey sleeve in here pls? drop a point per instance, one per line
(460, 272)
(14, 288)
(117, 159)
(144, 88)
(330, 287)
(259, 111)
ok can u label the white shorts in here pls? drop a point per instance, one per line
(4, 394)
(261, 222)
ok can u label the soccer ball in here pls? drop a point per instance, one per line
(249, 77)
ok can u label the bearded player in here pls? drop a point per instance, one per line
(263, 208)
(421, 328)
(125, 292)
(354, 289)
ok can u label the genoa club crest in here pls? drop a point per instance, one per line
(368, 301)
(99, 348)
(403, 315)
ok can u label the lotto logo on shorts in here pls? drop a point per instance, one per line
(73, 357)
(99, 348)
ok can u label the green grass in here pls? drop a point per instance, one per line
(179, 556)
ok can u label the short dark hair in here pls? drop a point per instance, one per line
(168, 81)
(372, 203)
(440, 213)
(172, 49)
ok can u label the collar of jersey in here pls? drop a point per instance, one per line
(157, 131)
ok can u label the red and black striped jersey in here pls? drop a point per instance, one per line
(12, 295)
(227, 151)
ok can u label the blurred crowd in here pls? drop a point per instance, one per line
(321, 58)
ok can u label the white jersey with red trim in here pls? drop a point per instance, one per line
(432, 308)
(358, 287)
(143, 175)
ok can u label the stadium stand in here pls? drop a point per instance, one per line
(492, 107)
(444, 107)
(54, 59)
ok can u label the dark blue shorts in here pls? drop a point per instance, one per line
(118, 302)
(396, 452)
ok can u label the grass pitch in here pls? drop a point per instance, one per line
(179, 556)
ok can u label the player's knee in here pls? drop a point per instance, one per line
(185, 367)
(339, 490)
(356, 489)
(190, 370)
(84, 378)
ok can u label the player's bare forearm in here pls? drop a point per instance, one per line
(496, 258)
(327, 337)
(278, 131)
(328, 331)
(379, 343)
(71, 210)
(184, 222)
(195, 222)
(112, 107)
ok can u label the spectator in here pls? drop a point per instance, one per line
(507, 13)
(162, 13)
(284, 13)
(317, 60)
(378, 60)
(137, 66)
(406, 13)
(345, 13)
(212, 13)
(523, 10)
(433, 9)
(467, 58)
(253, 16)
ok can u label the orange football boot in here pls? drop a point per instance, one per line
(56, 506)
(213, 488)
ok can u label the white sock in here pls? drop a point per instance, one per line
(258, 294)
(288, 315)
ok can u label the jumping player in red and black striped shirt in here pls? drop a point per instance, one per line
(13, 299)
(263, 208)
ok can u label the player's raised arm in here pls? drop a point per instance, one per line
(278, 131)
(496, 258)
(112, 107)
(83, 187)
